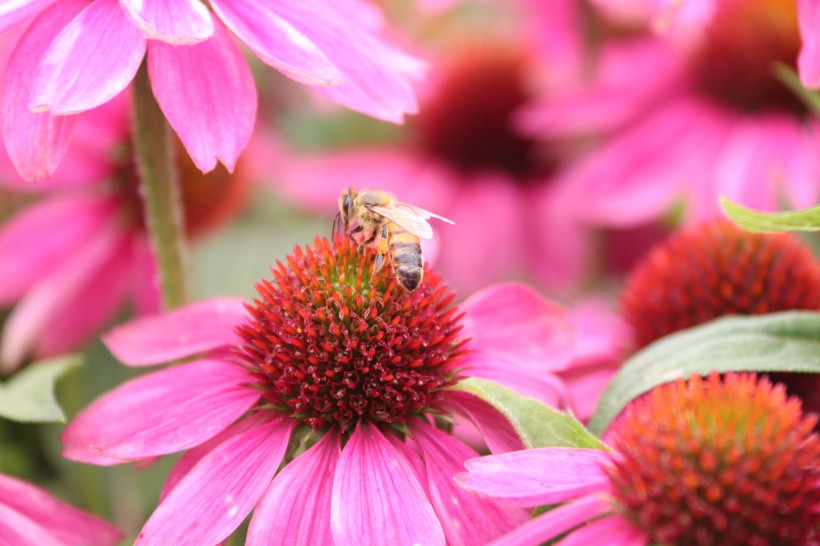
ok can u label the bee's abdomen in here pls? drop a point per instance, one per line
(405, 254)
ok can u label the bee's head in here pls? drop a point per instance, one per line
(346, 204)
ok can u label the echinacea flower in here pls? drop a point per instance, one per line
(339, 373)
(703, 462)
(706, 115)
(76, 55)
(79, 248)
(717, 269)
(30, 516)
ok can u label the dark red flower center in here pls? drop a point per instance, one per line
(719, 462)
(467, 121)
(333, 343)
(208, 200)
(741, 47)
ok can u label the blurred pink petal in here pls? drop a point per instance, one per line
(72, 527)
(808, 63)
(371, 472)
(28, 255)
(192, 329)
(296, 508)
(92, 59)
(177, 22)
(19, 530)
(534, 477)
(145, 293)
(467, 519)
(151, 415)
(202, 87)
(36, 143)
(37, 309)
(495, 428)
(276, 41)
(607, 531)
(221, 489)
(14, 13)
(527, 379)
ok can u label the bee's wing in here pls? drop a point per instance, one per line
(407, 219)
(421, 212)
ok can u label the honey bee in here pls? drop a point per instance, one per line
(391, 226)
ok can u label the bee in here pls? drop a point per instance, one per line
(392, 226)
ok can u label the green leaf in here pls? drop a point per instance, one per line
(789, 76)
(768, 222)
(29, 395)
(777, 342)
(536, 424)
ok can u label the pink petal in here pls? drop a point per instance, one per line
(18, 530)
(467, 519)
(808, 63)
(555, 522)
(539, 476)
(194, 328)
(544, 386)
(207, 93)
(213, 499)
(36, 143)
(496, 429)
(608, 531)
(145, 284)
(40, 305)
(27, 256)
(277, 42)
(162, 412)
(296, 508)
(71, 526)
(515, 322)
(14, 13)
(801, 169)
(376, 498)
(90, 61)
(177, 22)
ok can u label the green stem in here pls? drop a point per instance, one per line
(159, 187)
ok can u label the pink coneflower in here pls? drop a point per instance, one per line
(30, 516)
(703, 462)
(706, 115)
(463, 157)
(96, 255)
(76, 55)
(342, 375)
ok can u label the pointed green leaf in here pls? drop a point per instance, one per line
(536, 424)
(777, 342)
(28, 396)
(768, 222)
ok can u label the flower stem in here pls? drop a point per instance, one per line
(159, 187)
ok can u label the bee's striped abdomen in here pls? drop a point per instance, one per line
(405, 255)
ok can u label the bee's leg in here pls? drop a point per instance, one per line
(378, 264)
(367, 241)
(381, 249)
(353, 231)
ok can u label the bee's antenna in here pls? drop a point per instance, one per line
(336, 225)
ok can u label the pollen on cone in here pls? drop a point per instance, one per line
(719, 462)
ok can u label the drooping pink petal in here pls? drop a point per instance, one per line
(37, 309)
(91, 307)
(555, 522)
(524, 378)
(159, 413)
(64, 522)
(467, 519)
(216, 495)
(808, 63)
(177, 22)
(90, 61)
(377, 77)
(296, 508)
(534, 477)
(195, 328)
(517, 323)
(277, 42)
(36, 143)
(28, 256)
(19, 530)
(207, 93)
(14, 13)
(496, 429)
(608, 531)
(376, 497)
